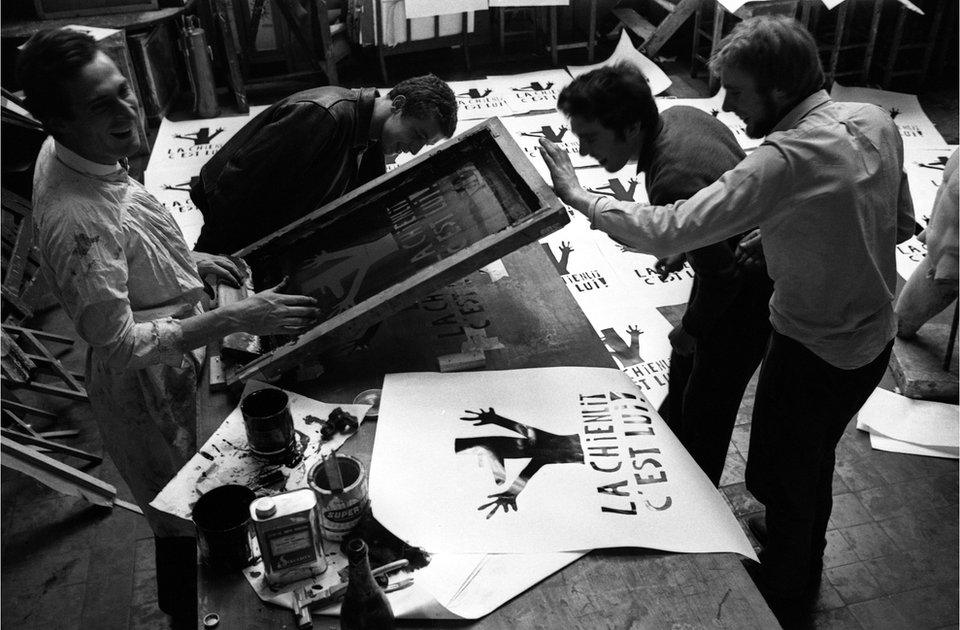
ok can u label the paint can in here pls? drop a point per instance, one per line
(269, 425)
(288, 530)
(340, 511)
(222, 519)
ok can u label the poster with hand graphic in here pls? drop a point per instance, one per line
(190, 143)
(538, 460)
(625, 52)
(478, 99)
(533, 91)
(636, 271)
(635, 335)
(172, 188)
(554, 126)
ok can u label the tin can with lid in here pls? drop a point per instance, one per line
(341, 510)
(288, 530)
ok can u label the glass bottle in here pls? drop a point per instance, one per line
(365, 606)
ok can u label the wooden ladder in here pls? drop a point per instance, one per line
(654, 37)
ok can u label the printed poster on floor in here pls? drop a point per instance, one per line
(635, 335)
(190, 143)
(533, 91)
(554, 126)
(538, 460)
(479, 99)
(636, 270)
(172, 188)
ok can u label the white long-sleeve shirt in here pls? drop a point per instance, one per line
(114, 258)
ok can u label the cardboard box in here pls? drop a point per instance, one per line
(402, 236)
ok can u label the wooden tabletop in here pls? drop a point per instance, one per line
(534, 316)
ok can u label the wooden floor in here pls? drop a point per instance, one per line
(891, 559)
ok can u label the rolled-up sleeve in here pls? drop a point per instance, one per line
(731, 205)
(86, 263)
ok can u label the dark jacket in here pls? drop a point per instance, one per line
(297, 155)
(688, 151)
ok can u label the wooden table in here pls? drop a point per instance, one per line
(535, 317)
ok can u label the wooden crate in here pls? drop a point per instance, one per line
(47, 9)
(402, 236)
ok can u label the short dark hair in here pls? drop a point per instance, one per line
(617, 97)
(777, 51)
(428, 97)
(50, 59)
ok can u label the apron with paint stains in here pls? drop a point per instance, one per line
(116, 261)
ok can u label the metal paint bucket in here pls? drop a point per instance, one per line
(340, 511)
(269, 425)
(222, 517)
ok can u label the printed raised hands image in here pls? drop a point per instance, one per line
(541, 447)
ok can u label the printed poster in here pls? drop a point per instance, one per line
(479, 99)
(538, 460)
(190, 143)
(528, 130)
(634, 269)
(625, 52)
(533, 91)
(172, 188)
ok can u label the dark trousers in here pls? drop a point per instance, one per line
(707, 386)
(802, 406)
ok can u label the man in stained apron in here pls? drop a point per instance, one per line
(116, 261)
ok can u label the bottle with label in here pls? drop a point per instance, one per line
(365, 606)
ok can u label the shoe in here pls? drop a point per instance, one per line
(757, 524)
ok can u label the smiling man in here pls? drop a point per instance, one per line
(719, 341)
(305, 151)
(827, 189)
(116, 261)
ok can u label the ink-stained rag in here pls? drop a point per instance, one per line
(117, 263)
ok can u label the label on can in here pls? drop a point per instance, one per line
(291, 546)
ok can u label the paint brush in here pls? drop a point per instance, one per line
(331, 467)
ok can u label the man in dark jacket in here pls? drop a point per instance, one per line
(720, 341)
(305, 151)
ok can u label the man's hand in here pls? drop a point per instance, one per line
(223, 267)
(271, 313)
(683, 343)
(565, 182)
(670, 264)
(749, 251)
